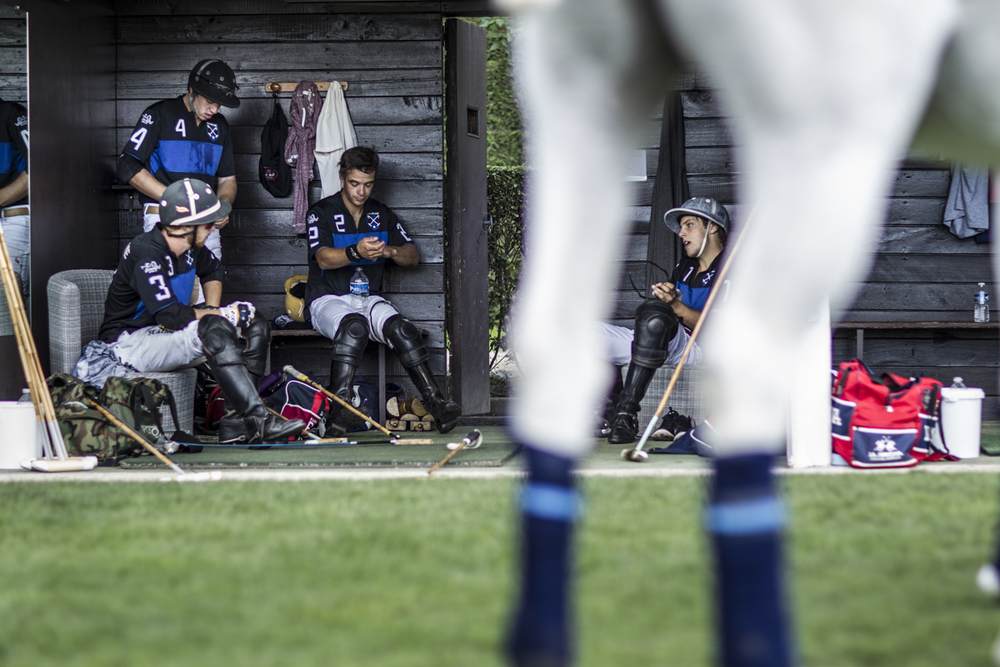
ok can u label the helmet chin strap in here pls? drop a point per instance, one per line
(704, 241)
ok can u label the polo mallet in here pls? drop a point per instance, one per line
(182, 475)
(637, 454)
(393, 438)
(471, 441)
(49, 434)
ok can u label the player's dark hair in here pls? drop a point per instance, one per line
(362, 158)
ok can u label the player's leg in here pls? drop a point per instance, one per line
(656, 326)
(587, 96)
(818, 143)
(406, 341)
(332, 316)
(257, 341)
(225, 355)
(17, 235)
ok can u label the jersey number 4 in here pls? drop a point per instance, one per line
(137, 137)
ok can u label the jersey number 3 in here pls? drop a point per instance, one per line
(164, 292)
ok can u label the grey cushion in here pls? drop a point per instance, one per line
(76, 310)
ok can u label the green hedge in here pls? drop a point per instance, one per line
(505, 203)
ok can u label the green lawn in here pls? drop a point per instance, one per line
(419, 572)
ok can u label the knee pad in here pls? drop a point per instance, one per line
(257, 335)
(220, 341)
(406, 341)
(655, 326)
(351, 339)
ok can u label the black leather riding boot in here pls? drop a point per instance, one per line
(446, 413)
(625, 426)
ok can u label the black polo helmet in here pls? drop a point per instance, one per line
(214, 80)
(703, 207)
(191, 202)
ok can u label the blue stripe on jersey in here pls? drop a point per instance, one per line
(344, 240)
(186, 157)
(10, 159)
(182, 287)
(694, 297)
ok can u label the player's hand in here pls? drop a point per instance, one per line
(239, 313)
(370, 247)
(222, 222)
(666, 292)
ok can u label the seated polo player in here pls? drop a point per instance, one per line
(150, 325)
(663, 323)
(348, 230)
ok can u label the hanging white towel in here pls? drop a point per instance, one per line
(334, 135)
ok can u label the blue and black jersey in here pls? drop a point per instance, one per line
(170, 143)
(153, 286)
(331, 225)
(13, 144)
(694, 287)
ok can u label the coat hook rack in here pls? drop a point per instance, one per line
(284, 87)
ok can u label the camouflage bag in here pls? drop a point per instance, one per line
(88, 433)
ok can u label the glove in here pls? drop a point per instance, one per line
(239, 313)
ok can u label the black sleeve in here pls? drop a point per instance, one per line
(140, 144)
(318, 230)
(397, 235)
(19, 134)
(207, 266)
(152, 284)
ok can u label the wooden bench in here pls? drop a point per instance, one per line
(860, 328)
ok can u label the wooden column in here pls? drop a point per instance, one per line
(465, 208)
(71, 118)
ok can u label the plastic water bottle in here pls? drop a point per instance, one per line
(359, 290)
(982, 310)
(25, 396)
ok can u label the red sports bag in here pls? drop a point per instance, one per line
(884, 422)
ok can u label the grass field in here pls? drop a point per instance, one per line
(414, 572)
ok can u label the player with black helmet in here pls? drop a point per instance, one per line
(663, 324)
(185, 137)
(151, 326)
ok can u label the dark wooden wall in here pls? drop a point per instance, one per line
(392, 63)
(921, 272)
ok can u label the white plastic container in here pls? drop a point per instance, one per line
(961, 420)
(18, 434)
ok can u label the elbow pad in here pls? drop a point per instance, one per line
(127, 168)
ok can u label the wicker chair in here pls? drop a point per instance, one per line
(76, 309)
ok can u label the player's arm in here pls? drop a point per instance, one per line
(400, 248)
(670, 295)
(15, 191)
(132, 161)
(152, 284)
(212, 291)
(402, 255)
(145, 183)
(226, 191)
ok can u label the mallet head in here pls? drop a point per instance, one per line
(635, 455)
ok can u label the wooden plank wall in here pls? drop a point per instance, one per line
(393, 65)
(921, 272)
